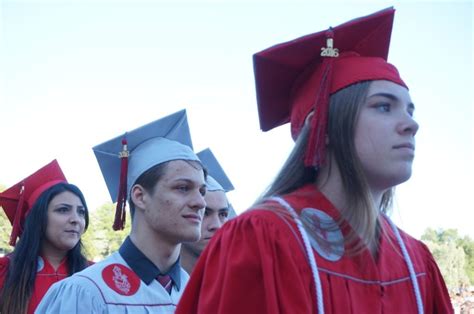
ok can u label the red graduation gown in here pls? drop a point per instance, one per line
(46, 276)
(256, 264)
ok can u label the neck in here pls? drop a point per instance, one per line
(329, 182)
(160, 252)
(54, 256)
(188, 259)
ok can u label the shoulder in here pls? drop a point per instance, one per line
(266, 217)
(88, 277)
(413, 243)
(75, 294)
(261, 228)
(85, 284)
(4, 263)
(418, 251)
(95, 269)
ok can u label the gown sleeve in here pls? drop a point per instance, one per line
(250, 266)
(72, 295)
(4, 262)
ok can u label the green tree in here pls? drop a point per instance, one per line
(5, 230)
(468, 246)
(453, 254)
(101, 240)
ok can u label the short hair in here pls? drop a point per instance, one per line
(150, 178)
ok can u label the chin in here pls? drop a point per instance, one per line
(192, 237)
(72, 245)
(399, 179)
(403, 176)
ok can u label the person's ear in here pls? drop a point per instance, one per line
(138, 195)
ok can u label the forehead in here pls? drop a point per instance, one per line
(387, 87)
(184, 170)
(65, 197)
(216, 199)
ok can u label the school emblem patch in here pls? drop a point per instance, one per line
(121, 279)
(330, 241)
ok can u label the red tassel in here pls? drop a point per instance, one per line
(316, 148)
(17, 229)
(315, 154)
(120, 213)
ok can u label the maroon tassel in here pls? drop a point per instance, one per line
(316, 148)
(120, 213)
(17, 229)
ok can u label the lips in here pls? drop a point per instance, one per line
(405, 145)
(72, 231)
(193, 217)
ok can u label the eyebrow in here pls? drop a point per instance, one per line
(68, 205)
(63, 204)
(411, 105)
(189, 181)
(225, 209)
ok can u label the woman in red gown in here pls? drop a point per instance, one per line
(319, 240)
(49, 216)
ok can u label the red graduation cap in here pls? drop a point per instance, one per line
(18, 199)
(294, 78)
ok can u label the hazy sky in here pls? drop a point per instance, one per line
(77, 73)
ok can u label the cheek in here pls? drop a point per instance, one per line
(205, 224)
(365, 140)
(82, 223)
(52, 225)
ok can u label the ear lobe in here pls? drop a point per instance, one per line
(137, 195)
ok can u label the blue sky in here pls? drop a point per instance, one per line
(76, 73)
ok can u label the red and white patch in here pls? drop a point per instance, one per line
(330, 242)
(121, 279)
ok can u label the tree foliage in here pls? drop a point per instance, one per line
(453, 254)
(100, 240)
(5, 230)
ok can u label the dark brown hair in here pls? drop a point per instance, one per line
(21, 274)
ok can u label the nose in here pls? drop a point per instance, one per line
(198, 202)
(408, 125)
(74, 217)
